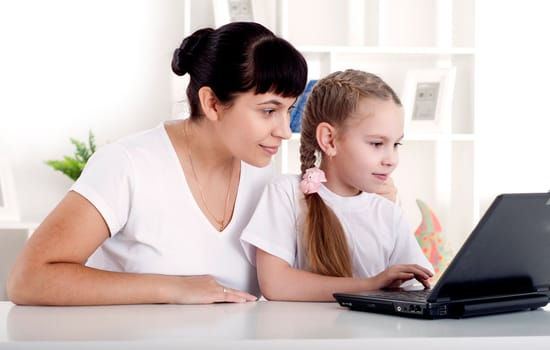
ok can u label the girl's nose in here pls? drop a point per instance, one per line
(391, 158)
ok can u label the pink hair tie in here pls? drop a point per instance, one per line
(311, 180)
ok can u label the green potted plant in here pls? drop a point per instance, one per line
(73, 166)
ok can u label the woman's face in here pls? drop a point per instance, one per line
(254, 126)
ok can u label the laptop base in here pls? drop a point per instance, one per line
(445, 310)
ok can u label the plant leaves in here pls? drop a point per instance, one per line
(73, 166)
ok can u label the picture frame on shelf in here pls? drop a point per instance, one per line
(9, 210)
(427, 100)
(226, 11)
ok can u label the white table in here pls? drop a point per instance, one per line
(260, 325)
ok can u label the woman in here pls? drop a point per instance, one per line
(156, 217)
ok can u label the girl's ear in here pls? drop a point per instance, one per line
(209, 103)
(326, 136)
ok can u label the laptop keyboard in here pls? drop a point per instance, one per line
(413, 295)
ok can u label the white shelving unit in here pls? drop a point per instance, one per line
(389, 38)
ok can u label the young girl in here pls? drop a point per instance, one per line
(328, 232)
(156, 217)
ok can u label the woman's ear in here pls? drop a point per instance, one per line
(209, 103)
(326, 136)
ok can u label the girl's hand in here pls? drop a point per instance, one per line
(396, 275)
(388, 190)
(205, 290)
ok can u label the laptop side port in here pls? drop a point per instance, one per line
(408, 308)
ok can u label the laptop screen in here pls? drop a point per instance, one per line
(507, 253)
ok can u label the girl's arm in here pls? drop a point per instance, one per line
(280, 281)
(50, 270)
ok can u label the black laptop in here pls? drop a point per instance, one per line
(503, 266)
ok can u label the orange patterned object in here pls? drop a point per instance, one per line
(432, 241)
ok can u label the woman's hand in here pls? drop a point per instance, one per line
(206, 290)
(396, 275)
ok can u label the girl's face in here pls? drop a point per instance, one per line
(366, 148)
(254, 126)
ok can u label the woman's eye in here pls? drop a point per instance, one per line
(376, 144)
(269, 110)
(397, 144)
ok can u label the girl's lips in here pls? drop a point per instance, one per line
(381, 177)
(271, 150)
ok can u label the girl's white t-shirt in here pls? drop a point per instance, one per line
(376, 230)
(138, 186)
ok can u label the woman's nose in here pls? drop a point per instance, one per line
(282, 129)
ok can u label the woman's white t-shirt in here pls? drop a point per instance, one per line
(138, 186)
(376, 230)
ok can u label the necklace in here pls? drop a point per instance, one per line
(221, 224)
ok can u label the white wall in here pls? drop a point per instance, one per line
(513, 74)
(67, 67)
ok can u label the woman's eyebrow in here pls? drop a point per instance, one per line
(271, 102)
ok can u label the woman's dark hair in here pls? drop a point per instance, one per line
(239, 57)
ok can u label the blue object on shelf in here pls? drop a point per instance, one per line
(296, 113)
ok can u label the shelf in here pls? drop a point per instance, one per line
(383, 23)
(417, 137)
(406, 50)
(17, 225)
(439, 137)
(295, 137)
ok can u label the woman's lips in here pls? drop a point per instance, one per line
(270, 149)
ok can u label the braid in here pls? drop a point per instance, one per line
(308, 147)
(323, 238)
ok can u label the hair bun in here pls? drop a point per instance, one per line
(179, 66)
(189, 50)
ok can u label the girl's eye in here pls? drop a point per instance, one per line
(398, 144)
(376, 144)
(269, 110)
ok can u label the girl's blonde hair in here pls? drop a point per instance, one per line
(332, 100)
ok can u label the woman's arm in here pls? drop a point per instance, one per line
(279, 281)
(50, 270)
